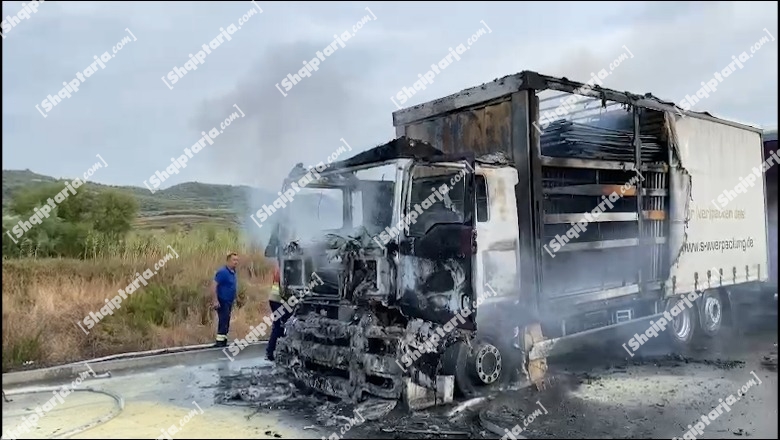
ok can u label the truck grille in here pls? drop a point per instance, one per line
(343, 359)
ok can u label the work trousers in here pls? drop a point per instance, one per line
(223, 319)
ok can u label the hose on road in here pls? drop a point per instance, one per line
(120, 406)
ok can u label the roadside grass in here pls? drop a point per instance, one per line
(43, 299)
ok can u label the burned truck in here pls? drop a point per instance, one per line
(505, 223)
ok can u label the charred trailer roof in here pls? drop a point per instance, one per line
(408, 148)
(497, 116)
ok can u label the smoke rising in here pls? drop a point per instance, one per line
(278, 132)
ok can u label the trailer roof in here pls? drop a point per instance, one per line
(501, 88)
(406, 148)
(395, 149)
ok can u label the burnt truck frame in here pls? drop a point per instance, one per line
(631, 266)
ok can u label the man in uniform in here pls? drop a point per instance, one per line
(223, 294)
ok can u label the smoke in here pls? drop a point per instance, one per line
(277, 132)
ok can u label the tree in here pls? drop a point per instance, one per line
(81, 225)
(113, 212)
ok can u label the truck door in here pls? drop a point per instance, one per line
(438, 245)
(498, 247)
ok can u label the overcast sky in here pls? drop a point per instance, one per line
(126, 113)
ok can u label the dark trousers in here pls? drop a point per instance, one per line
(223, 319)
(277, 330)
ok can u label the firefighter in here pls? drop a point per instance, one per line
(277, 330)
(223, 294)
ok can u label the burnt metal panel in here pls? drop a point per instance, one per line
(472, 133)
(498, 127)
(499, 89)
(479, 95)
(522, 154)
(643, 260)
(605, 244)
(591, 189)
(569, 162)
(540, 82)
(770, 181)
(603, 217)
(481, 130)
(420, 131)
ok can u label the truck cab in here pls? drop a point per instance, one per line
(404, 279)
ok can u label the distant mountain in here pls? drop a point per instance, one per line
(190, 203)
(185, 203)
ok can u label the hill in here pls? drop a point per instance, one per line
(189, 204)
(184, 204)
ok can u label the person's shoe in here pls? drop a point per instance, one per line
(269, 357)
(220, 344)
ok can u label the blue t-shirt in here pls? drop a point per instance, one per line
(226, 284)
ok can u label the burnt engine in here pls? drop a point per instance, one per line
(342, 339)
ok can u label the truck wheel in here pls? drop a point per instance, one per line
(455, 363)
(488, 363)
(711, 316)
(493, 361)
(684, 326)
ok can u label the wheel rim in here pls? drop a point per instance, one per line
(712, 313)
(488, 364)
(682, 325)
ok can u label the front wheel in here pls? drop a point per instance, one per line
(491, 361)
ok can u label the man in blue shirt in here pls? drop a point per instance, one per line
(223, 294)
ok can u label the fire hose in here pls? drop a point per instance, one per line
(119, 407)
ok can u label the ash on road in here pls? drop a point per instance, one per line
(590, 394)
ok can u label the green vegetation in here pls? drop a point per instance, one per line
(95, 242)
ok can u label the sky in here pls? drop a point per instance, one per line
(129, 112)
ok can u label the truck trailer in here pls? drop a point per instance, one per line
(770, 178)
(505, 222)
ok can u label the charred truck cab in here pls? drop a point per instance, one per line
(507, 223)
(388, 299)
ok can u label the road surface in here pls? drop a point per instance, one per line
(595, 393)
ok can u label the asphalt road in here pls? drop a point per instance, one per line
(595, 393)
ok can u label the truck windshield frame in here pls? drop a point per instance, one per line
(447, 207)
(368, 199)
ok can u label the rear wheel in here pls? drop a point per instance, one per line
(711, 316)
(684, 326)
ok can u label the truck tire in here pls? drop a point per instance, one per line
(711, 313)
(454, 363)
(493, 361)
(684, 327)
(490, 362)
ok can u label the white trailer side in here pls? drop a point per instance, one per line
(726, 234)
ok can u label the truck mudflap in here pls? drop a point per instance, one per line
(343, 359)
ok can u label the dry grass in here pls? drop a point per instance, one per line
(43, 299)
